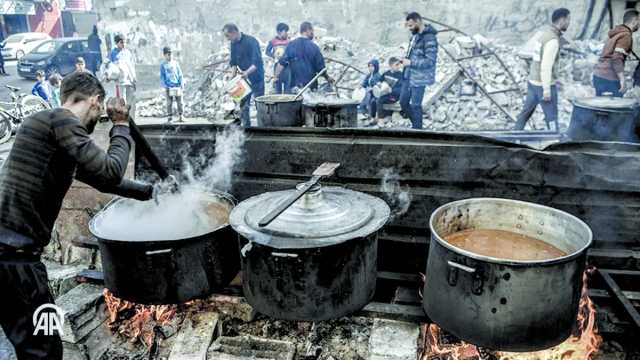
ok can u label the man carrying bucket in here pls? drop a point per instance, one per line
(246, 60)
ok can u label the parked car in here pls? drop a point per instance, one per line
(18, 45)
(54, 56)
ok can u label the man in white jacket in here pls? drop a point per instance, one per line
(125, 60)
(542, 89)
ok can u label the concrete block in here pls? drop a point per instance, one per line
(251, 347)
(195, 336)
(62, 278)
(233, 306)
(393, 340)
(84, 310)
(6, 348)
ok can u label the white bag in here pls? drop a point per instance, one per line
(532, 49)
(175, 91)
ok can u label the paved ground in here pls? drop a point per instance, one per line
(14, 80)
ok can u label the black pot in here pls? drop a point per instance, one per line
(338, 114)
(502, 304)
(316, 261)
(604, 119)
(169, 271)
(279, 111)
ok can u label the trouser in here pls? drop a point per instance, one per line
(383, 100)
(128, 93)
(170, 103)
(534, 98)
(411, 102)
(257, 90)
(282, 85)
(24, 284)
(606, 86)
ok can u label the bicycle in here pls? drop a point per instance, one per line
(21, 106)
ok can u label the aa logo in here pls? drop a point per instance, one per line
(48, 318)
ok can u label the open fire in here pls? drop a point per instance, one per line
(135, 321)
(584, 342)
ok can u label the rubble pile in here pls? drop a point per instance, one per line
(448, 104)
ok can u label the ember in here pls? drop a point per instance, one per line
(135, 321)
(581, 345)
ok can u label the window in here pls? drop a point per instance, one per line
(48, 47)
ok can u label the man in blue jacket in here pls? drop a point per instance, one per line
(419, 67)
(303, 58)
(246, 58)
(171, 79)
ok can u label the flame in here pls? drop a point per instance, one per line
(580, 346)
(140, 325)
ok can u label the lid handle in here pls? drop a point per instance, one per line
(324, 170)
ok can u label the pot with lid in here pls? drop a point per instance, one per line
(604, 118)
(505, 275)
(316, 260)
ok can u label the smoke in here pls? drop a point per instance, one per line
(399, 199)
(189, 212)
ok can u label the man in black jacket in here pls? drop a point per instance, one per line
(50, 149)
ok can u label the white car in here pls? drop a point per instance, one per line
(18, 45)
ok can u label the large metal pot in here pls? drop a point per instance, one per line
(168, 271)
(317, 260)
(332, 113)
(604, 119)
(279, 111)
(498, 303)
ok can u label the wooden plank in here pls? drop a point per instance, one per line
(604, 294)
(620, 297)
(395, 312)
(394, 276)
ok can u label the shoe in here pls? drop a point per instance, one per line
(169, 119)
(180, 119)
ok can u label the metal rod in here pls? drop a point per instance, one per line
(617, 293)
(503, 91)
(309, 83)
(474, 56)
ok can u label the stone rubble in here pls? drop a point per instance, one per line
(444, 110)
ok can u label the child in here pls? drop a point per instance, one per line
(393, 77)
(40, 88)
(368, 104)
(81, 65)
(171, 78)
(55, 81)
(275, 50)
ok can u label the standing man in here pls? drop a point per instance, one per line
(123, 58)
(246, 59)
(81, 65)
(541, 88)
(303, 58)
(608, 74)
(95, 57)
(275, 50)
(419, 67)
(50, 149)
(171, 78)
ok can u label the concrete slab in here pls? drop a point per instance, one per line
(251, 347)
(195, 336)
(84, 310)
(393, 340)
(62, 278)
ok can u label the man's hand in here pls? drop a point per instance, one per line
(406, 62)
(546, 95)
(118, 111)
(244, 74)
(623, 87)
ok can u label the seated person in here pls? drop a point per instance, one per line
(368, 104)
(393, 77)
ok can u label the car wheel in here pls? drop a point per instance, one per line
(19, 54)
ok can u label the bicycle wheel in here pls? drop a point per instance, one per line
(31, 104)
(5, 128)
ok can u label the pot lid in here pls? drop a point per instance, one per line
(606, 103)
(322, 217)
(329, 101)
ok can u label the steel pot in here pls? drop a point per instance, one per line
(503, 304)
(168, 271)
(279, 111)
(604, 119)
(317, 260)
(332, 113)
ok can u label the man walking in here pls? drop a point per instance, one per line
(171, 78)
(246, 59)
(541, 87)
(123, 58)
(275, 50)
(419, 67)
(608, 74)
(95, 57)
(52, 148)
(303, 58)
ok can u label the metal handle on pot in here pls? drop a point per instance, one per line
(156, 252)
(465, 268)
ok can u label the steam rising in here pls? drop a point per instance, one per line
(399, 199)
(187, 213)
